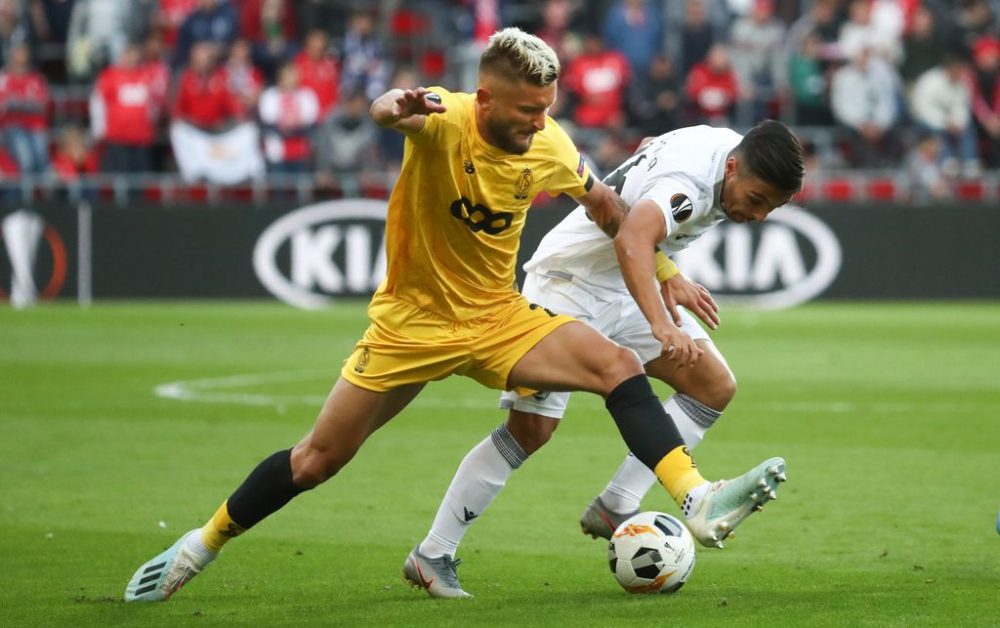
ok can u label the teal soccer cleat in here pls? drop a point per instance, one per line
(727, 503)
(164, 575)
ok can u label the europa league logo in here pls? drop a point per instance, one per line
(23, 231)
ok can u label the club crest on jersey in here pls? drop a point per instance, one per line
(681, 207)
(469, 168)
(523, 184)
(363, 359)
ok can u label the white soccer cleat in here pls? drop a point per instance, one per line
(436, 575)
(727, 503)
(162, 576)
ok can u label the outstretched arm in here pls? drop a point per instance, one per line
(405, 110)
(635, 245)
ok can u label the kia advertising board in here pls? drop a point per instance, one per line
(310, 256)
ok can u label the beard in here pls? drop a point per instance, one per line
(505, 139)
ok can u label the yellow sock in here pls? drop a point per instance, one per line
(678, 473)
(220, 529)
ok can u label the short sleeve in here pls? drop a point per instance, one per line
(443, 129)
(678, 199)
(571, 174)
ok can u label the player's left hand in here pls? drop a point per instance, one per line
(679, 290)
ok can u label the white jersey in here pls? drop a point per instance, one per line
(680, 171)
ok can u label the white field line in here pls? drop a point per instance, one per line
(232, 389)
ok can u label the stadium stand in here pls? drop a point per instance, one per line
(89, 88)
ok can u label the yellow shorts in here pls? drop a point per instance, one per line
(406, 344)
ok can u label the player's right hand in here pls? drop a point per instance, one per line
(679, 348)
(417, 101)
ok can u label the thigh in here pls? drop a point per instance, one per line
(574, 356)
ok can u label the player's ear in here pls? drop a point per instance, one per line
(732, 165)
(484, 96)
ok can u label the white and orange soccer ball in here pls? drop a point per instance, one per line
(651, 552)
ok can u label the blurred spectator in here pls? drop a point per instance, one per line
(609, 152)
(348, 139)
(123, 114)
(243, 81)
(923, 46)
(50, 19)
(364, 67)
(635, 28)
(557, 16)
(213, 21)
(864, 96)
(171, 15)
(986, 95)
(73, 157)
(821, 21)
(658, 98)
(925, 176)
(15, 29)
(861, 31)
(288, 113)
(24, 102)
(697, 35)
(203, 99)
(318, 71)
(209, 139)
(976, 20)
(98, 32)
(597, 79)
(390, 141)
(756, 43)
(712, 88)
(326, 14)
(154, 60)
(807, 83)
(275, 49)
(941, 104)
(252, 24)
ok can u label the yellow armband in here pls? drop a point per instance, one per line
(665, 267)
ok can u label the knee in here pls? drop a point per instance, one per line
(531, 431)
(311, 466)
(620, 365)
(718, 391)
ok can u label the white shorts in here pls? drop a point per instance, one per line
(614, 314)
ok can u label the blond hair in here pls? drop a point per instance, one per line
(519, 56)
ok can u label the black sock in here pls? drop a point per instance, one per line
(645, 426)
(268, 487)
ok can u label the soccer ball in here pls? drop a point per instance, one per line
(651, 552)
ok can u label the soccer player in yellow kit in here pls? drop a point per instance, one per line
(448, 305)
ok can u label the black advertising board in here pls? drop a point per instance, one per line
(311, 256)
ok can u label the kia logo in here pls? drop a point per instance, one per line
(791, 258)
(335, 248)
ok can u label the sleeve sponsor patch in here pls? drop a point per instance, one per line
(580, 167)
(681, 207)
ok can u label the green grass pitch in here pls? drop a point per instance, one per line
(887, 414)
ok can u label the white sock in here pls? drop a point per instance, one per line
(478, 480)
(194, 544)
(633, 479)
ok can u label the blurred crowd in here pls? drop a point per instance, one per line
(227, 90)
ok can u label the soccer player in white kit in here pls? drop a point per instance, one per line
(678, 185)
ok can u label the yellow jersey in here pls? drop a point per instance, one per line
(457, 210)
